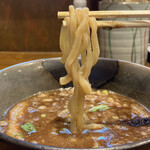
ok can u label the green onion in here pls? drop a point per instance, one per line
(105, 92)
(43, 115)
(99, 107)
(28, 127)
(115, 117)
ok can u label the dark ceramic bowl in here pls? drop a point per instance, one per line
(20, 81)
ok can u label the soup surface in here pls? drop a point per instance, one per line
(110, 119)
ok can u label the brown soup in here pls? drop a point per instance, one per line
(110, 119)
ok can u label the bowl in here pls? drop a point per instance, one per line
(23, 80)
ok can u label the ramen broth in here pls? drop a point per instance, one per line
(44, 119)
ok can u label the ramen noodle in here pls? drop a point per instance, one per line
(78, 38)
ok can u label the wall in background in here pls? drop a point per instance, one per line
(32, 25)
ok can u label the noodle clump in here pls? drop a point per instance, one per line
(78, 38)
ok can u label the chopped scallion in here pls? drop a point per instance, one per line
(43, 115)
(105, 92)
(99, 107)
(28, 127)
(115, 117)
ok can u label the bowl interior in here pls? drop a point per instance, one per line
(23, 80)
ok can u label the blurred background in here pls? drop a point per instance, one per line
(29, 29)
(32, 25)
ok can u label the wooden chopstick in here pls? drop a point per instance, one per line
(111, 14)
(121, 24)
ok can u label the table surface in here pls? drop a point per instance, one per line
(11, 58)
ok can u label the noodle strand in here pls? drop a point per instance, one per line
(79, 38)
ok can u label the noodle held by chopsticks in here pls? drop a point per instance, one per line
(78, 38)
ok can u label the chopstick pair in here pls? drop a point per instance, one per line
(116, 14)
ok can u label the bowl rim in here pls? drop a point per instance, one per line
(25, 144)
(58, 58)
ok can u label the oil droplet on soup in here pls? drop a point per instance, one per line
(110, 119)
